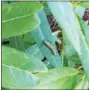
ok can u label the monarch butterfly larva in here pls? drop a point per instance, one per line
(50, 46)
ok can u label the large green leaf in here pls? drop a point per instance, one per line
(19, 18)
(71, 27)
(59, 78)
(14, 78)
(84, 43)
(15, 58)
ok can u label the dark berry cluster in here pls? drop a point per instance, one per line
(86, 15)
(53, 24)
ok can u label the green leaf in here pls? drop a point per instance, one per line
(72, 30)
(85, 30)
(84, 4)
(18, 59)
(28, 38)
(82, 84)
(84, 57)
(14, 78)
(17, 10)
(17, 43)
(84, 41)
(19, 26)
(70, 53)
(79, 11)
(19, 18)
(64, 83)
(59, 78)
(34, 50)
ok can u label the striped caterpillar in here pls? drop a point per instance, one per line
(50, 46)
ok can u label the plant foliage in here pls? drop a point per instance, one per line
(30, 56)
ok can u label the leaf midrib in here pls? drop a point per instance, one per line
(6, 20)
(12, 67)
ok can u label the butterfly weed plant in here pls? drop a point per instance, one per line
(45, 45)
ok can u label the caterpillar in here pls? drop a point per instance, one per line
(50, 46)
